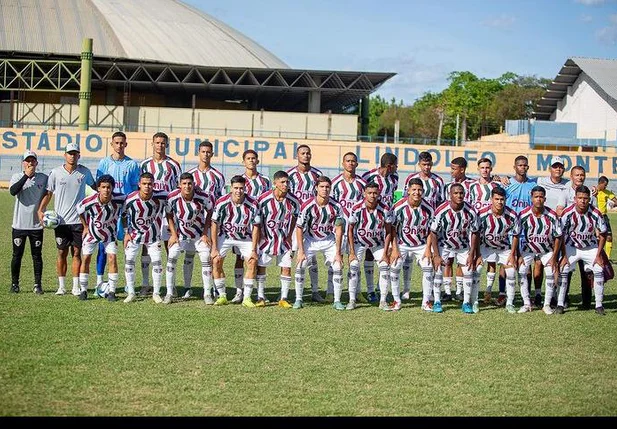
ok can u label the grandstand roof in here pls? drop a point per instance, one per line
(166, 31)
(164, 46)
(602, 72)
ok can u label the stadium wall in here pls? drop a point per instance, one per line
(278, 154)
(255, 123)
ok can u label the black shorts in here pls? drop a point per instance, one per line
(69, 235)
(20, 236)
(608, 225)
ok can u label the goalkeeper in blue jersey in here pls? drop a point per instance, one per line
(125, 172)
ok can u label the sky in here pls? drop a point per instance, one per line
(423, 40)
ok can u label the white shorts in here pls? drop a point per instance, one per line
(312, 247)
(245, 247)
(132, 249)
(460, 255)
(87, 248)
(165, 232)
(345, 245)
(283, 261)
(529, 257)
(294, 242)
(188, 246)
(495, 255)
(409, 253)
(377, 252)
(588, 256)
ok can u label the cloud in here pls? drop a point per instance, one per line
(586, 18)
(413, 78)
(590, 2)
(607, 35)
(503, 21)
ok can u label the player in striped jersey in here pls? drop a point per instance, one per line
(584, 233)
(370, 227)
(454, 233)
(541, 239)
(347, 189)
(279, 210)
(165, 171)
(235, 222)
(411, 218)
(302, 179)
(433, 186)
(208, 179)
(188, 212)
(320, 229)
(145, 211)
(99, 214)
(498, 223)
(256, 185)
(387, 178)
(518, 197)
(578, 175)
(458, 168)
(480, 195)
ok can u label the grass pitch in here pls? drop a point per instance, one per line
(64, 357)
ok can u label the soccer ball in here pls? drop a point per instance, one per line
(102, 289)
(50, 219)
(610, 204)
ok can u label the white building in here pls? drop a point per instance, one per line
(584, 92)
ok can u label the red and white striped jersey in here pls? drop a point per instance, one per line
(348, 193)
(166, 173)
(302, 185)
(189, 216)
(236, 221)
(454, 228)
(369, 226)
(276, 218)
(433, 188)
(539, 233)
(211, 181)
(145, 217)
(102, 219)
(579, 229)
(497, 230)
(257, 186)
(318, 223)
(466, 185)
(387, 185)
(480, 194)
(411, 223)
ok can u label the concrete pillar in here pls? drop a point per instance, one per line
(314, 102)
(314, 97)
(85, 84)
(364, 116)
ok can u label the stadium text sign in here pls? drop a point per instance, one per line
(275, 152)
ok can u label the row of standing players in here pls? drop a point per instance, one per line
(434, 224)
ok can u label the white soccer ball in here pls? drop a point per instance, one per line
(50, 219)
(610, 204)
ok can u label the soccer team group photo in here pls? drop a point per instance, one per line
(463, 234)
